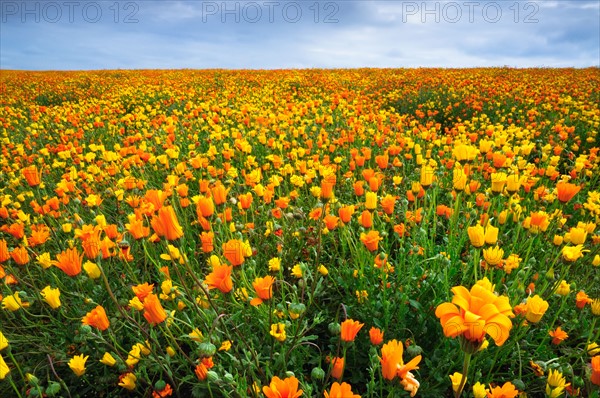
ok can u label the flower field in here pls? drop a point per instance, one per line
(287, 233)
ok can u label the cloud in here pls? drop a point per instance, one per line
(297, 34)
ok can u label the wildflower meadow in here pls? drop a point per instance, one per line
(300, 233)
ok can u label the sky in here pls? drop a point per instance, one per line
(278, 34)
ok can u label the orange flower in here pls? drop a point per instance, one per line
(392, 364)
(137, 229)
(167, 391)
(582, 299)
(91, 244)
(220, 278)
(142, 291)
(338, 390)
(202, 368)
(263, 288)
(331, 221)
(69, 261)
(153, 310)
(207, 241)
(20, 255)
(338, 367)
(349, 329)
(566, 191)
(165, 224)
(387, 203)
(326, 189)
(286, 388)
(375, 335)
(219, 193)
(233, 250)
(96, 318)
(245, 200)
(4, 254)
(473, 314)
(558, 335)
(371, 240)
(366, 219)
(205, 207)
(508, 390)
(596, 370)
(345, 213)
(32, 175)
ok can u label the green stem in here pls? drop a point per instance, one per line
(463, 379)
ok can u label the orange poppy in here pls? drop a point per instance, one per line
(263, 288)
(69, 261)
(219, 193)
(153, 309)
(4, 254)
(375, 335)
(596, 370)
(166, 225)
(137, 229)
(32, 175)
(20, 255)
(558, 335)
(338, 390)
(337, 369)
(345, 213)
(387, 203)
(508, 390)
(142, 290)
(286, 388)
(392, 363)
(96, 318)
(349, 329)
(331, 221)
(371, 240)
(220, 278)
(207, 239)
(233, 250)
(475, 313)
(205, 207)
(566, 191)
(201, 369)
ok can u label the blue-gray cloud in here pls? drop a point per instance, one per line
(88, 34)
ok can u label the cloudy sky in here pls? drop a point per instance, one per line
(82, 34)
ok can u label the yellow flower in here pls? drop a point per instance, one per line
(577, 236)
(498, 181)
(4, 370)
(493, 255)
(556, 384)
(13, 303)
(323, 270)
(558, 240)
(370, 200)
(572, 253)
(278, 331)
(196, 335)
(128, 381)
(564, 288)
(275, 264)
(476, 235)
(596, 307)
(297, 271)
(136, 304)
(225, 346)
(456, 380)
(108, 359)
(491, 234)
(536, 308)
(593, 349)
(51, 296)
(77, 364)
(596, 261)
(92, 270)
(134, 356)
(3, 341)
(44, 260)
(479, 390)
